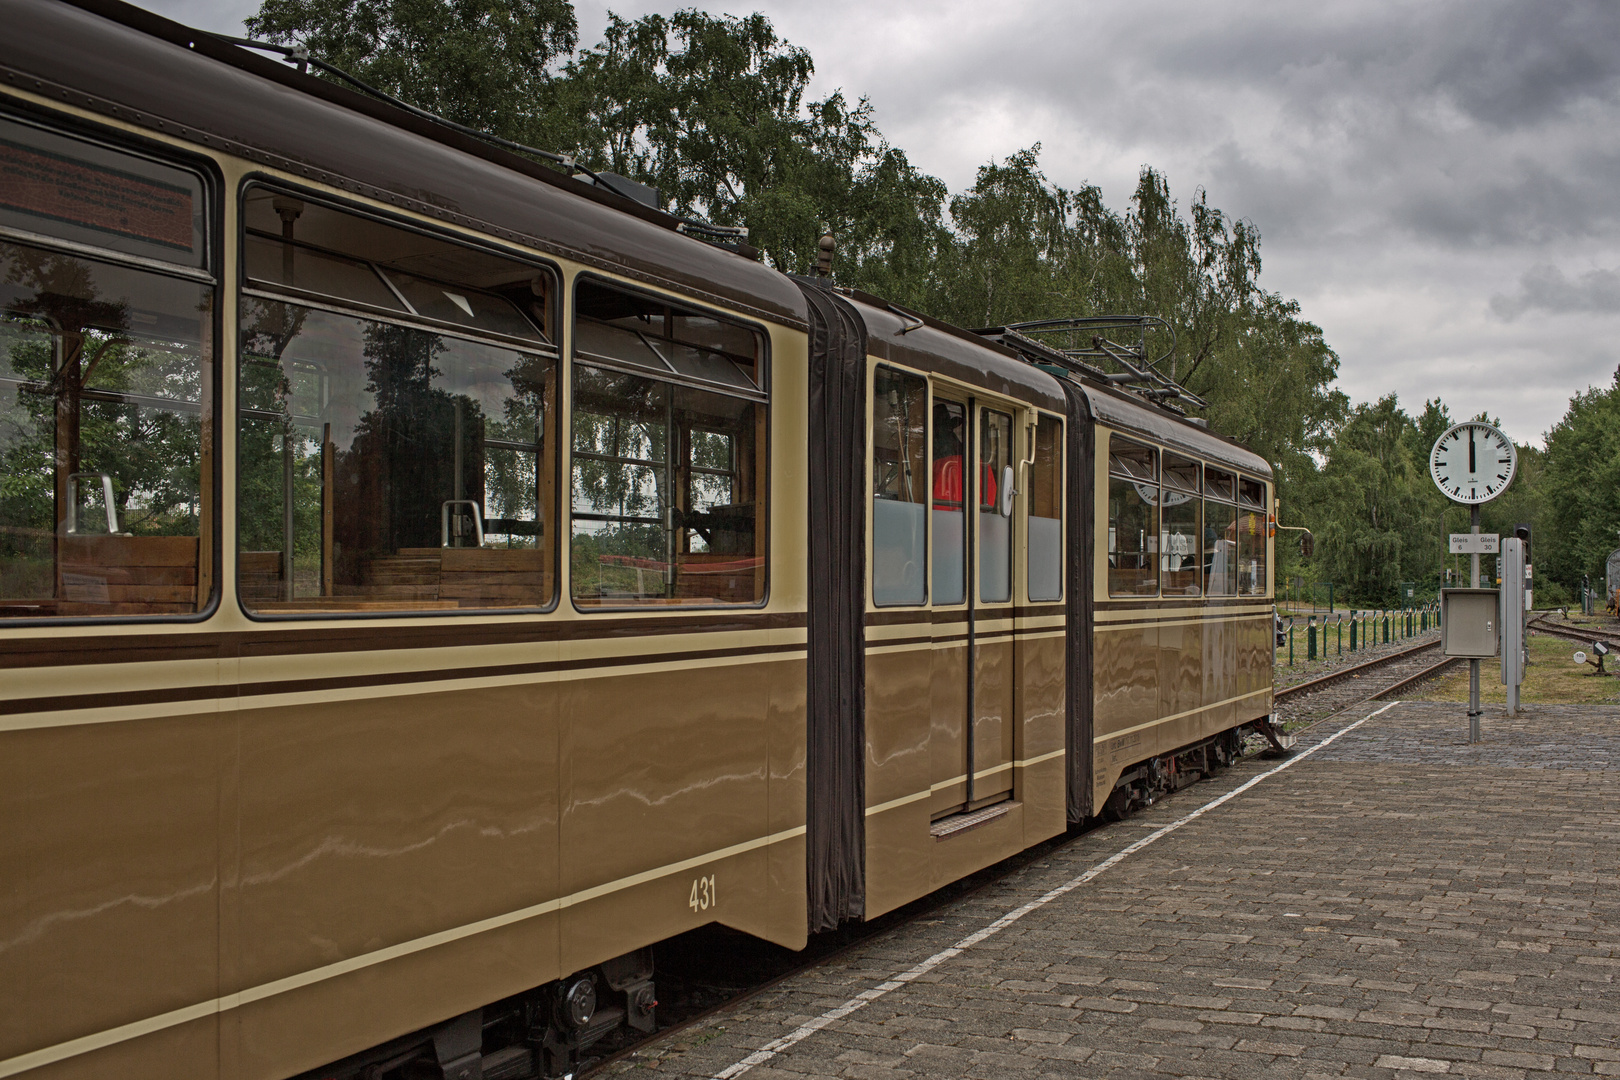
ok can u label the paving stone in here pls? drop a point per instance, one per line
(1400, 902)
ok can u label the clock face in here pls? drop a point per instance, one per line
(1472, 463)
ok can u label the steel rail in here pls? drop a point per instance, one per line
(1573, 634)
(1313, 685)
(1427, 673)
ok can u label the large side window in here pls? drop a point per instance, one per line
(669, 454)
(1133, 518)
(994, 484)
(106, 370)
(396, 438)
(1046, 512)
(1220, 532)
(1251, 537)
(1181, 573)
(899, 487)
(949, 511)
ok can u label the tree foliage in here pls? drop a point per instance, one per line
(483, 63)
(1581, 487)
(712, 110)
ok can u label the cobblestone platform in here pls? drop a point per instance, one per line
(1392, 902)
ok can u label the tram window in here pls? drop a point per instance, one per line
(995, 506)
(104, 383)
(1251, 493)
(293, 246)
(1181, 572)
(1251, 553)
(669, 454)
(1133, 519)
(899, 493)
(399, 460)
(653, 337)
(1045, 566)
(1219, 484)
(949, 513)
(1220, 548)
(70, 189)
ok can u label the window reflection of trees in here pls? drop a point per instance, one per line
(411, 420)
(101, 374)
(663, 496)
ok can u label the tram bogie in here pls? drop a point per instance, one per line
(428, 581)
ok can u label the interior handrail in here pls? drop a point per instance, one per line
(444, 520)
(106, 496)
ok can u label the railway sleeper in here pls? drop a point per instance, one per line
(543, 1032)
(1146, 782)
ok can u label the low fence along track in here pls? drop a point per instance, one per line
(1369, 680)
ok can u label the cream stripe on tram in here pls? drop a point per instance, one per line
(227, 701)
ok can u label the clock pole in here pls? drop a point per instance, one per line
(1473, 665)
(1473, 463)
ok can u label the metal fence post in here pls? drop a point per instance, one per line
(1310, 638)
(1290, 644)
(1338, 633)
(1355, 617)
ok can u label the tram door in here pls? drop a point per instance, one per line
(970, 746)
(994, 663)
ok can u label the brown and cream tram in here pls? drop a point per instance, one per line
(427, 581)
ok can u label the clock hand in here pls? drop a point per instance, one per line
(1470, 451)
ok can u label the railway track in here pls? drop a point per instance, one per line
(1370, 680)
(1572, 633)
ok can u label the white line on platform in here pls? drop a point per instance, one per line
(866, 997)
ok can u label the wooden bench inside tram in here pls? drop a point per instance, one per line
(411, 579)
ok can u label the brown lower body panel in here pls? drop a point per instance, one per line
(273, 882)
(1160, 687)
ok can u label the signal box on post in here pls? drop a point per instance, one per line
(1470, 623)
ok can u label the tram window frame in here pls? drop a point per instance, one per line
(948, 521)
(1254, 573)
(1123, 472)
(656, 368)
(116, 563)
(997, 446)
(898, 483)
(1181, 475)
(534, 284)
(1220, 517)
(1045, 543)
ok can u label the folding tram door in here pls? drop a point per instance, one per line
(971, 743)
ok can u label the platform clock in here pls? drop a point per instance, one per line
(1472, 463)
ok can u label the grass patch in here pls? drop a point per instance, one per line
(1551, 678)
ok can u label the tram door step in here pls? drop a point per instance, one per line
(956, 823)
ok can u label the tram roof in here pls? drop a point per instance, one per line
(131, 65)
(931, 345)
(1133, 416)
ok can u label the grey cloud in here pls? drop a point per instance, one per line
(1545, 288)
(1528, 61)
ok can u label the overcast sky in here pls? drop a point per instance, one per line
(1437, 184)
